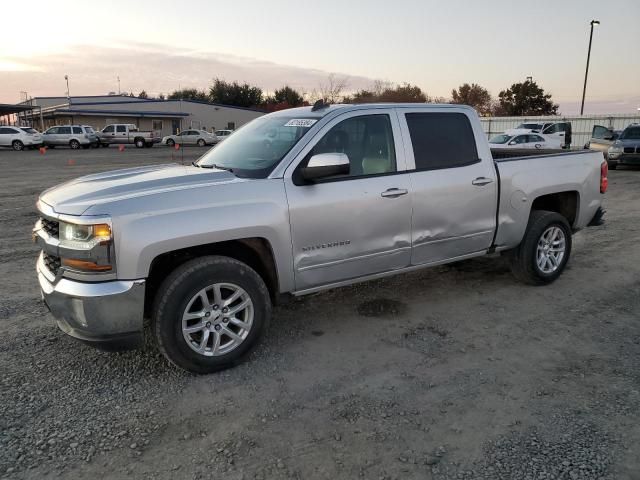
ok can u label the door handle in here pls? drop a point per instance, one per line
(481, 181)
(394, 192)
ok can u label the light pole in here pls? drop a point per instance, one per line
(584, 90)
(66, 77)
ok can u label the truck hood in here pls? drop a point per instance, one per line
(77, 196)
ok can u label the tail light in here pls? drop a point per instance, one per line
(604, 180)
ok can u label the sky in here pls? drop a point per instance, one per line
(159, 46)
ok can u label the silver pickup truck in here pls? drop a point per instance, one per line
(127, 134)
(295, 202)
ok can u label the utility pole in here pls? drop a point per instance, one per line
(118, 84)
(586, 72)
(66, 77)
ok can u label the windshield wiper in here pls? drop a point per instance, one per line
(220, 167)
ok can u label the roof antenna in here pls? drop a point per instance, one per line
(319, 105)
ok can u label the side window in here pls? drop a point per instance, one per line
(64, 130)
(108, 129)
(6, 131)
(535, 138)
(520, 139)
(555, 128)
(367, 141)
(52, 131)
(121, 128)
(77, 130)
(441, 140)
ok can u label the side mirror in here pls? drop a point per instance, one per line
(326, 165)
(512, 142)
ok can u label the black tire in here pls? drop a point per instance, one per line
(17, 145)
(74, 144)
(171, 142)
(178, 289)
(523, 259)
(201, 143)
(139, 142)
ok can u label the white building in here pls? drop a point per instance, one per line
(166, 116)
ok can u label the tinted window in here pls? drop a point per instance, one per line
(77, 130)
(7, 131)
(520, 139)
(366, 140)
(535, 138)
(29, 130)
(108, 129)
(52, 131)
(121, 128)
(631, 133)
(64, 130)
(441, 140)
(600, 132)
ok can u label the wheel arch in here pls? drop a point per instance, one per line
(565, 203)
(256, 252)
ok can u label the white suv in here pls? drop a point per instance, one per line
(74, 136)
(18, 138)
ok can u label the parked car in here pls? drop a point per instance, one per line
(295, 202)
(191, 137)
(561, 131)
(526, 140)
(73, 136)
(18, 137)
(222, 134)
(35, 134)
(127, 134)
(601, 139)
(626, 149)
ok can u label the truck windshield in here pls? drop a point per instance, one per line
(254, 150)
(501, 139)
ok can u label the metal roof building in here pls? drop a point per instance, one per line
(166, 116)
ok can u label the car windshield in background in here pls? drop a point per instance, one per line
(631, 134)
(530, 126)
(500, 139)
(255, 149)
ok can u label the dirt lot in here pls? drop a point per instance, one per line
(452, 372)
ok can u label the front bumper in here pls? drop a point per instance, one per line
(105, 314)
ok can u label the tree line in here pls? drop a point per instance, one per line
(524, 98)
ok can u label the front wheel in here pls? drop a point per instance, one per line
(544, 251)
(201, 143)
(139, 142)
(209, 313)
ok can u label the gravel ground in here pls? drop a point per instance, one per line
(457, 372)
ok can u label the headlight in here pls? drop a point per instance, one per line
(615, 150)
(83, 237)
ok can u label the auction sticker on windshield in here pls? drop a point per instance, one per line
(300, 122)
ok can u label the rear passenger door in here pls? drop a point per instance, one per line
(121, 136)
(454, 190)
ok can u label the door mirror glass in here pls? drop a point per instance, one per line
(512, 142)
(325, 165)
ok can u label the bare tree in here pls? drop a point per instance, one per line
(332, 90)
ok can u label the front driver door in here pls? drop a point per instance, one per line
(352, 225)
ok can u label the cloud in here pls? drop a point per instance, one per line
(93, 70)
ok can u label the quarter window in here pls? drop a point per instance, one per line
(77, 130)
(366, 140)
(441, 140)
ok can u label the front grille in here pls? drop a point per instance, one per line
(52, 227)
(629, 150)
(51, 262)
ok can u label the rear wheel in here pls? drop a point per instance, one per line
(201, 143)
(170, 142)
(545, 249)
(17, 145)
(139, 142)
(74, 144)
(209, 313)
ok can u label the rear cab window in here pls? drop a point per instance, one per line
(441, 140)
